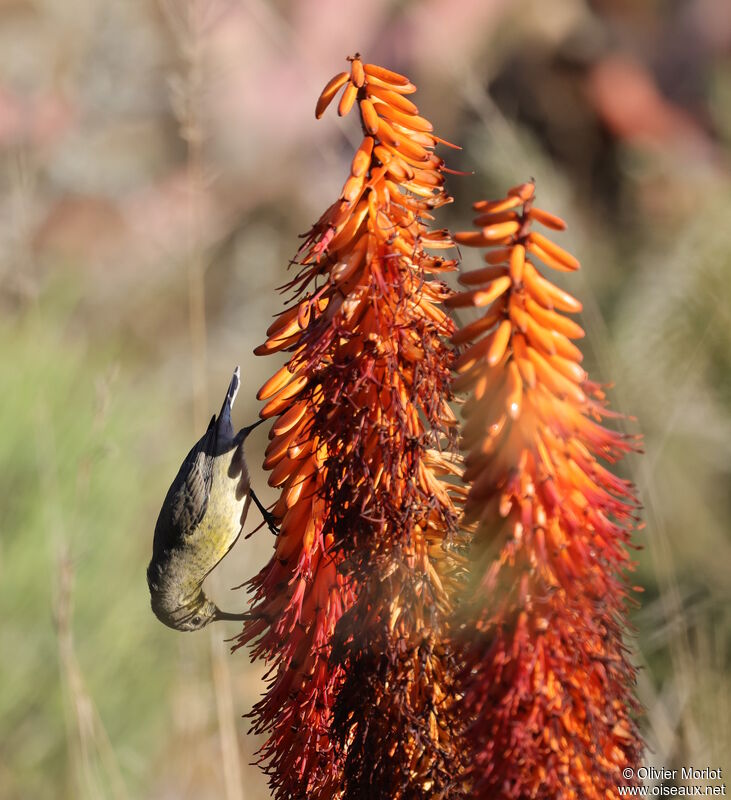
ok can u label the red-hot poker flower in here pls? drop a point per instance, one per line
(548, 685)
(360, 703)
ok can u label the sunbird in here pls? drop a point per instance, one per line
(200, 520)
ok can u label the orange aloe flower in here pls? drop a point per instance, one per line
(348, 613)
(548, 684)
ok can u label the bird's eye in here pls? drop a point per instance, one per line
(196, 620)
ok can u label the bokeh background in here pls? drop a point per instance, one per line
(157, 162)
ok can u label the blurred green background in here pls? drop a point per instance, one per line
(157, 161)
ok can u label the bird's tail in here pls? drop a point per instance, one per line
(224, 418)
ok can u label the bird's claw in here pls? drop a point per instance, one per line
(269, 518)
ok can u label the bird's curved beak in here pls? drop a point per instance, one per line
(227, 615)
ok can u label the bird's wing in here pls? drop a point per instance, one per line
(191, 499)
(187, 499)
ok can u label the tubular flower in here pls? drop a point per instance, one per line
(349, 610)
(548, 685)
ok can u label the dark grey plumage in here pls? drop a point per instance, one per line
(200, 520)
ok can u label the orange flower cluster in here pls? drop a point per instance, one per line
(349, 610)
(548, 686)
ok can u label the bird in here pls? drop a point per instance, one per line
(200, 520)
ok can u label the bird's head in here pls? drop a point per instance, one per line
(196, 615)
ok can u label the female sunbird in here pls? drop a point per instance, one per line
(200, 520)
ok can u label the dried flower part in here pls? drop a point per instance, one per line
(361, 410)
(549, 688)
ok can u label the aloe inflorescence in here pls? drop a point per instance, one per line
(548, 684)
(437, 624)
(350, 610)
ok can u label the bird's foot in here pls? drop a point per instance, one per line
(269, 518)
